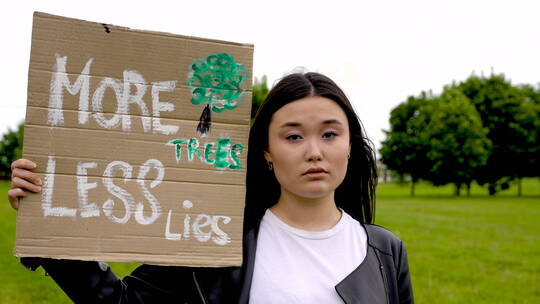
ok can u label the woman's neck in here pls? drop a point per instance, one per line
(313, 214)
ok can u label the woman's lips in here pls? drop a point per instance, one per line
(315, 173)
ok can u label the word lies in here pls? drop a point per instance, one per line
(201, 221)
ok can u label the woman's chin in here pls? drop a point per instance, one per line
(316, 192)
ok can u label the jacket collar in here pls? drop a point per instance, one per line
(365, 284)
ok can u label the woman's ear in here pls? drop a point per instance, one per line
(267, 156)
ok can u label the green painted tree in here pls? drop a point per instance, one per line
(456, 141)
(403, 150)
(217, 82)
(10, 149)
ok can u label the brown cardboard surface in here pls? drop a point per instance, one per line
(127, 175)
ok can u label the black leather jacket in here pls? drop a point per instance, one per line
(383, 277)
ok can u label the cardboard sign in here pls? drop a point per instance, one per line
(141, 142)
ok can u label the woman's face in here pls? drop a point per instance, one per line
(308, 145)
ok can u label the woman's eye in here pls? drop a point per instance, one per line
(329, 134)
(293, 137)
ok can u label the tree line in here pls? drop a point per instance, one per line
(484, 129)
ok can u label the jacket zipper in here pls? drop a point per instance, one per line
(198, 288)
(385, 282)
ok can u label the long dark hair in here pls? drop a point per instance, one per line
(355, 195)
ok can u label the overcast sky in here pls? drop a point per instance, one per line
(379, 52)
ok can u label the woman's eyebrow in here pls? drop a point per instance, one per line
(290, 124)
(332, 121)
(297, 124)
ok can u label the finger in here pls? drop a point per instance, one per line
(18, 182)
(14, 195)
(23, 163)
(26, 175)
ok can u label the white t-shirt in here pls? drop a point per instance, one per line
(299, 266)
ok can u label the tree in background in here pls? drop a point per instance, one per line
(259, 90)
(403, 150)
(10, 149)
(482, 129)
(451, 131)
(511, 115)
(527, 145)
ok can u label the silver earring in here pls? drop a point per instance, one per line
(270, 166)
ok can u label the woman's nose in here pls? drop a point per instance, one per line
(313, 152)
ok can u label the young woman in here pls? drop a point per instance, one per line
(308, 233)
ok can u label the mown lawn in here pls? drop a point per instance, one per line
(479, 249)
(476, 249)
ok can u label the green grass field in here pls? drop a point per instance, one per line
(468, 250)
(476, 249)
